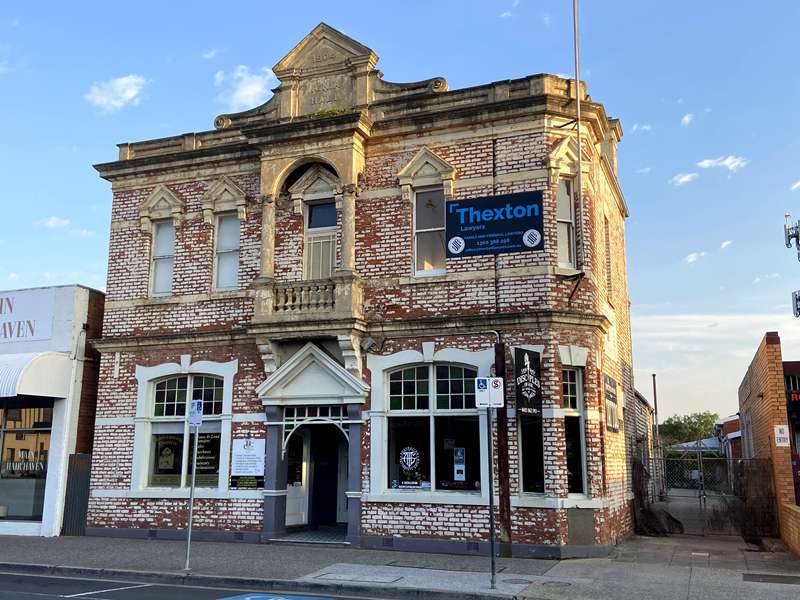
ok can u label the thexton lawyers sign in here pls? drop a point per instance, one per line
(495, 224)
(26, 315)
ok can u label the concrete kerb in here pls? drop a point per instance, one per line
(246, 583)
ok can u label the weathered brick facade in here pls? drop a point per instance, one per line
(502, 138)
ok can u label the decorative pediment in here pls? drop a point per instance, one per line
(224, 196)
(563, 160)
(323, 49)
(426, 168)
(310, 376)
(161, 204)
(317, 183)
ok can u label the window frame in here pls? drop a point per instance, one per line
(318, 233)
(578, 411)
(208, 426)
(415, 231)
(571, 229)
(154, 258)
(431, 413)
(217, 252)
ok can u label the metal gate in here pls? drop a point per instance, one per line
(716, 496)
(76, 500)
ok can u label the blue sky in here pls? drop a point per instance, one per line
(706, 92)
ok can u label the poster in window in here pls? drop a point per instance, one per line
(527, 377)
(167, 455)
(207, 460)
(247, 463)
(459, 469)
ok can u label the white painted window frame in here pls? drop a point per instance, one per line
(380, 367)
(154, 258)
(571, 223)
(146, 378)
(414, 191)
(218, 252)
(579, 412)
(318, 233)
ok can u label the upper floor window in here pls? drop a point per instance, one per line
(609, 275)
(163, 256)
(574, 429)
(429, 231)
(227, 251)
(171, 439)
(565, 217)
(320, 247)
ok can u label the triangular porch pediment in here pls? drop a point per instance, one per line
(310, 376)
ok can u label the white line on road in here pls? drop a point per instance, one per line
(119, 589)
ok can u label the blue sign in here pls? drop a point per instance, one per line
(495, 224)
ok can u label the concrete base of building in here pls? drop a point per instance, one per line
(430, 545)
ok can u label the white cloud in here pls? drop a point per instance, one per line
(683, 178)
(725, 244)
(693, 257)
(641, 127)
(546, 20)
(14, 23)
(82, 232)
(730, 162)
(795, 186)
(505, 14)
(515, 4)
(53, 222)
(13, 276)
(209, 54)
(699, 367)
(644, 170)
(687, 119)
(113, 94)
(244, 89)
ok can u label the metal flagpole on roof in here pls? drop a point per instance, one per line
(579, 179)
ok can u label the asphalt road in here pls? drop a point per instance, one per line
(42, 587)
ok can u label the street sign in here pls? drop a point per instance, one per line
(196, 413)
(489, 392)
(796, 303)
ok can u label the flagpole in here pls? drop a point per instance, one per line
(577, 50)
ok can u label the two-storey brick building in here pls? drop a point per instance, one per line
(292, 268)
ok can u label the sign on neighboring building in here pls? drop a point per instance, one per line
(26, 315)
(782, 436)
(527, 370)
(489, 392)
(495, 224)
(247, 463)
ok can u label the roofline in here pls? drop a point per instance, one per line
(52, 287)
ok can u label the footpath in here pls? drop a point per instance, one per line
(674, 568)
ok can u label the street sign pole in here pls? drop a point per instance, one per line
(491, 494)
(195, 420)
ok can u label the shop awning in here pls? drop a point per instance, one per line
(35, 374)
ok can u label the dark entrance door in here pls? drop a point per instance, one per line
(324, 475)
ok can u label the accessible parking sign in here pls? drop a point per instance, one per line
(495, 224)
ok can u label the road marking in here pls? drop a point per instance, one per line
(119, 589)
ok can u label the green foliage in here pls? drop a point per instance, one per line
(332, 112)
(687, 428)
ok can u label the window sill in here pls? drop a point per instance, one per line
(532, 500)
(177, 493)
(438, 497)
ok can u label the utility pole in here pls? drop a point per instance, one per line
(502, 457)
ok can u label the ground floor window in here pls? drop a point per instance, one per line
(25, 430)
(409, 456)
(532, 455)
(572, 401)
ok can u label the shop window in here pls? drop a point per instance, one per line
(574, 429)
(227, 251)
(532, 447)
(25, 429)
(172, 439)
(429, 233)
(565, 221)
(433, 429)
(320, 244)
(163, 257)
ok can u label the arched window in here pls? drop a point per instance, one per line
(433, 428)
(171, 439)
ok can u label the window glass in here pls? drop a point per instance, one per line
(564, 200)
(320, 255)
(162, 275)
(409, 389)
(569, 388)
(457, 453)
(228, 233)
(430, 209)
(170, 397)
(322, 215)
(409, 453)
(532, 454)
(21, 415)
(430, 250)
(294, 458)
(167, 458)
(228, 269)
(207, 458)
(565, 243)
(164, 239)
(455, 387)
(209, 389)
(572, 436)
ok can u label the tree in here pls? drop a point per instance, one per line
(687, 428)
